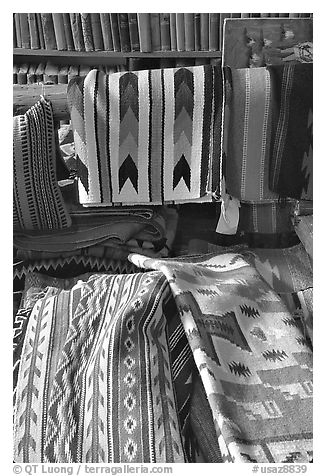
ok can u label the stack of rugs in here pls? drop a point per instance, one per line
(143, 367)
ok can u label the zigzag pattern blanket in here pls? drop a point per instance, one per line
(149, 136)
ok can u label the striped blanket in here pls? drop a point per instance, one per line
(149, 136)
(38, 203)
(292, 155)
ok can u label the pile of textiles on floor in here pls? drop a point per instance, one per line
(108, 233)
(143, 367)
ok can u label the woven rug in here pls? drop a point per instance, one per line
(95, 375)
(148, 136)
(256, 368)
(273, 217)
(292, 155)
(250, 127)
(38, 203)
(303, 226)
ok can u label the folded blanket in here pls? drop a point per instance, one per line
(256, 368)
(114, 227)
(291, 172)
(95, 381)
(149, 136)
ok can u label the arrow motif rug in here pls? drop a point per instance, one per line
(149, 136)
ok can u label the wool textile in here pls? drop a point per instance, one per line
(95, 375)
(150, 136)
(291, 172)
(270, 217)
(256, 368)
(303, 226)
(38, 203)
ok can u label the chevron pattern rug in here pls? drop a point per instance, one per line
(149, 136)
(254, 362)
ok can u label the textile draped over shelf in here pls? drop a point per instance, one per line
(291, 161)
(149, 136)
(267, 142)
(250, 130)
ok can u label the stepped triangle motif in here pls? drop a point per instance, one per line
(129, 130)
(184, 105)
(181, 170)
(184, 91)
(128, 170)
(129, 95)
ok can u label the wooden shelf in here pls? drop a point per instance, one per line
(115, 54)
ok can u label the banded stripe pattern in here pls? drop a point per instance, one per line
(249, 149)
(38, 203)
(147, 136)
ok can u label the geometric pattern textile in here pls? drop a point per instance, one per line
(95, 376)
(286, 270)
(303, 226)
(291, 173)
(254, 362)
(38, 203)
(149, 136)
